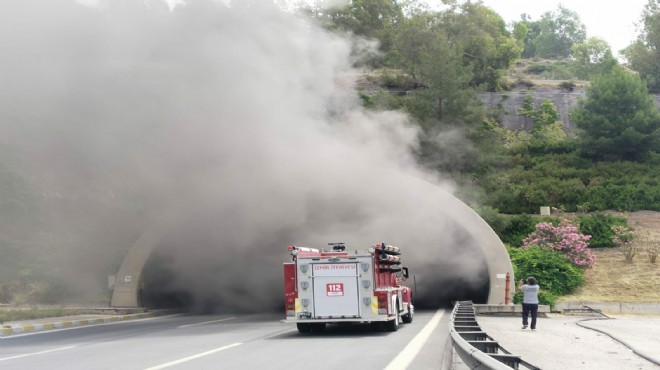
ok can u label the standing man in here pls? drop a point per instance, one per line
(530, 301)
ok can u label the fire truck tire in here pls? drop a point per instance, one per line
(304, 328)
(318, 327)
(393, 325)
(407, 318)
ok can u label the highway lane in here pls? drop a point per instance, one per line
(228, 342)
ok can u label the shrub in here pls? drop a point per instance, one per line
(567, 85)
(545, 297)
(599, 226)
(551, 269)
(645, 240)
(517, 228)
(543, 174)
(558, 72)
(493, 218)
(34, 313)
(537, 69)
(548, 298)
(7, 290)
(652, 252)
(396, 81)
(623, 238)
(21, 292)
(367, 101)
(525, 83)
(564, 239)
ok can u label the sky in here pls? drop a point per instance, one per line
(613, 21)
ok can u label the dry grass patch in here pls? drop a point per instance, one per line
(15, 314)
(613, 279)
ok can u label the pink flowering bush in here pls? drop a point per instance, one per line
(565, 239)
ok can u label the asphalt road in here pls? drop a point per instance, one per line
(228, 342)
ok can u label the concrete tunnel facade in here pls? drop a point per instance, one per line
(127, 282)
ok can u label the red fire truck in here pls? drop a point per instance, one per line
(336, 286)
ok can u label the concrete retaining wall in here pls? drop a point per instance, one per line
(614, 308)
(605, 307)
(511, 101)
(505, 309)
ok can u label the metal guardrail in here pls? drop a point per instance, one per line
(475, 347)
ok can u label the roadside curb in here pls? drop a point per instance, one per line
(613, 308)
(22, 329)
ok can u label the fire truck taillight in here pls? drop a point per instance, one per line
(291, 306)
(382, 303)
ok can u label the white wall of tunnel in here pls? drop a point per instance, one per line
(429, 220)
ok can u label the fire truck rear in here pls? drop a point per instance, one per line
(336, 286)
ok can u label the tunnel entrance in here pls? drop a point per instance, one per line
(156, 290)
(226, 258)
(168, 282)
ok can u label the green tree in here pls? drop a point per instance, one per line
(418, 37)
(552, 134)
(559, 31)
(527, 108)
(592, 58)
(375, 19)
(546, 115)
(440, 81)
(533, 29)
(618, 118)
(520, 33)
(488, 48)
(548, 128)
(644, 54)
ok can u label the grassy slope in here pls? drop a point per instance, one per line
(14, 314)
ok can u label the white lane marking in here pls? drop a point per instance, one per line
(13, 336)
(205, 322)
(408, 354)
(35, 353)
(193, 357)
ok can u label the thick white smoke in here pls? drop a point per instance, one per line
(238, 118)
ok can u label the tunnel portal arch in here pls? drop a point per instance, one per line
(127, 287)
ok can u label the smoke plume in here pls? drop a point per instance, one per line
(241, 119)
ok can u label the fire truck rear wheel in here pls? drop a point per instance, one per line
(407, 318)
(393, 325)
(318, 327)
(304, 328)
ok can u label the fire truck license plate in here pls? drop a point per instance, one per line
(334, 289)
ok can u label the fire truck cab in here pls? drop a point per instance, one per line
(336, 286)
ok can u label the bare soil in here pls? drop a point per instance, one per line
(612, 279)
